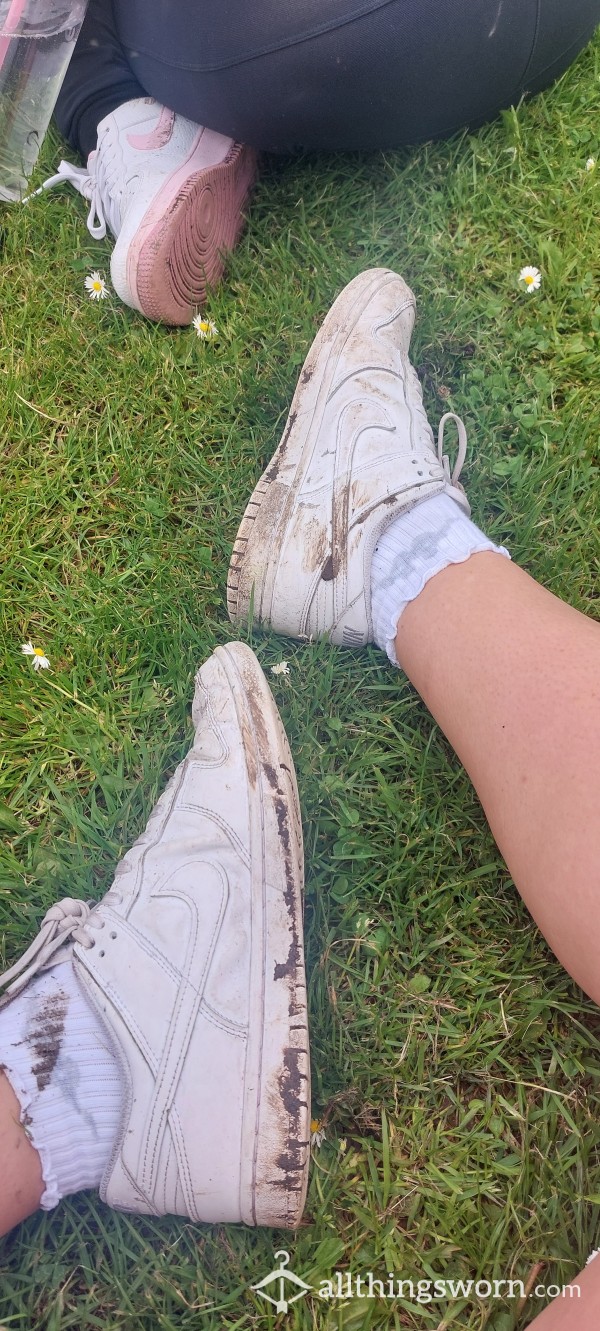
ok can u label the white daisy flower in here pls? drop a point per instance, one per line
(531, 277)
(317, 1132)
(40, 662)
(281, 669)
(96, 286)
(590, 164)
(205, 328)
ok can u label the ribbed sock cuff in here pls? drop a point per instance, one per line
(415, 547)
(61, 1066)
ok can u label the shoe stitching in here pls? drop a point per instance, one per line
(183, 1168)
(223, 1023)
(225, 827)
(184, 1035)
(210, 717)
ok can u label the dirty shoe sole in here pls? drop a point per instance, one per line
(256, 552)
(177, 251)
(275, 1145)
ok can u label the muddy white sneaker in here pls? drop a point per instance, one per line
(172, 194)
(194, 962)
(357, 451)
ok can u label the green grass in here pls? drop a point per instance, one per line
(451, 1054)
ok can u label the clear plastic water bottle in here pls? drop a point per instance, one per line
(37, 38)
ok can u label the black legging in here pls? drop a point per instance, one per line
(322, 74)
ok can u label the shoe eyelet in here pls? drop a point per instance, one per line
(113, 935)
(101, 954)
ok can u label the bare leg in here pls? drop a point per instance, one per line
(22, 1184)
(512, 675)
(575, 1314)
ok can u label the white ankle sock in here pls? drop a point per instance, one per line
(414, 547)
(58, 1058)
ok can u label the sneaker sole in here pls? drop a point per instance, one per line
(177, 252)
(255, 556)
(275, 1146)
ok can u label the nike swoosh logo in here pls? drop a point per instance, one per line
(203, 938)
(158, 137)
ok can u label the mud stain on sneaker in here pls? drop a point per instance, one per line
(249, 754)
(293, 964)
(273, 471)
(292, 968)
(44, 1036)
(339, 535)
(315, 548)
(292, 1089)
(289, 1094)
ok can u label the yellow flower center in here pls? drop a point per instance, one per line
(97, 286)
(37, 651)
(529, 280)
(315, 1124)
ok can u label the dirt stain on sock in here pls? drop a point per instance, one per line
(44, 1036)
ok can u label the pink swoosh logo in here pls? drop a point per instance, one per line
(158, 137)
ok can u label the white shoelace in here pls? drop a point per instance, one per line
(99, 184)
(452, 477)
(418, 405)
(68, 921)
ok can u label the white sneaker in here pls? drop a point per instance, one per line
(357, 451)
(172, 193)
(194, 961)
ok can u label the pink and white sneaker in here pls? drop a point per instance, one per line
(172, 193)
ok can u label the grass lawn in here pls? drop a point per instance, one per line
(455, 1065)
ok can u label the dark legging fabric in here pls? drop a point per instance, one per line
(320, 74)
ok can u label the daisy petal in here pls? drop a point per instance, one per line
(205, 328)
(317, 1132)
(40, 661)
(96, 286)
(531, 278)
